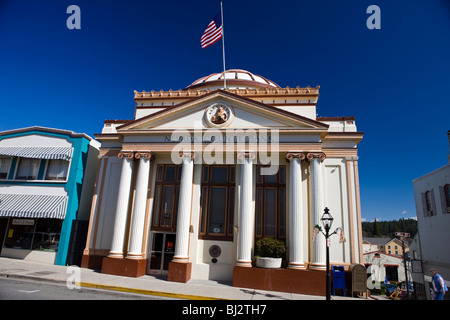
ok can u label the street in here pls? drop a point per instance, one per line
(18, 289)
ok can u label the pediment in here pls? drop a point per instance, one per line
(238, 113)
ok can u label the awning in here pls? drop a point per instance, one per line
(64, 153)
(33, 206)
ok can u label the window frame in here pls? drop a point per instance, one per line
(19, 163)
(447, 197)
(280, 187)
(8, 167)
(157, 202)
(206, 185)
(429, 204)
(47, 165)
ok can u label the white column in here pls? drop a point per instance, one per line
(140, 204)
(296, 236)
(318, 254)
(123, 198)
(184, 208)
(246, 214)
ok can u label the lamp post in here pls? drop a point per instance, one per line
(327, 221)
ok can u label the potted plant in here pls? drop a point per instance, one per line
(269, 253)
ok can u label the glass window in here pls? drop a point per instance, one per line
(165, 201)
(219, 174)
(33, 234)
(218, 191)
(57, 170)
(428, 202)
(270, 204)
(28, 169)
(5, 163)
(447, 196)
(217, 210)
(270, 224)
(170, 174)
(168, 199)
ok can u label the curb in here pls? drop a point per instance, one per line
(147, 292)
(32, 278)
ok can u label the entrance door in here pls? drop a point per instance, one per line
(163, 250)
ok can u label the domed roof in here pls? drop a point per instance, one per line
(235, 79)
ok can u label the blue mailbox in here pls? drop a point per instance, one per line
(338, 278)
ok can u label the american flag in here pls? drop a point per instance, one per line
(213, 32)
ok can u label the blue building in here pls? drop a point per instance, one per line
(46, 184)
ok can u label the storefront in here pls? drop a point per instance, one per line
(41, 171)
(199, 175)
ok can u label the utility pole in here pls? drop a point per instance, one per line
(402, 236)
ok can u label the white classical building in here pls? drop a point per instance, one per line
(432, 197)
(200, 174)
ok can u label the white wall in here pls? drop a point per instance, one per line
(35, 140)
(434, 235)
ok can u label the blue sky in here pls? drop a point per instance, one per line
(395, 80)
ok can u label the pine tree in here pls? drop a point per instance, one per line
(376, 229)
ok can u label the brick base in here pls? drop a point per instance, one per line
(92, 262)
(124, 267)
(179, 272)
(285, 280)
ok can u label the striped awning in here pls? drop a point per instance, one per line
(64, 153)
(33, 206)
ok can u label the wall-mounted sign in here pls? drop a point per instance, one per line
(23, 222)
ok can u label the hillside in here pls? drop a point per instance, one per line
(388, 228)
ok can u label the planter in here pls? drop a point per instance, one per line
(269, 263)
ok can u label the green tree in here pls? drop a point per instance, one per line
(376, 229)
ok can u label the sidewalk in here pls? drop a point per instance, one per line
(193, 290)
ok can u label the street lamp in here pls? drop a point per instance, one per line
(327, 221)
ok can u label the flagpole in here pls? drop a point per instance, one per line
(223, 48)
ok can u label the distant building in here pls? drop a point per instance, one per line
(391, 246)
(385, 267)
(46, 185)
(432, 197)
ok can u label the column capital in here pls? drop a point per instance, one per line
(183, 154)
(312, 155)
(128, 154)
(292, 155)
(144, 154)
(246, 154)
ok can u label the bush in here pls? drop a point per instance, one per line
(271, 248)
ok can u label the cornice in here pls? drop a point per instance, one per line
(190, 93)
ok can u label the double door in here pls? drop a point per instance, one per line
(162, 252)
